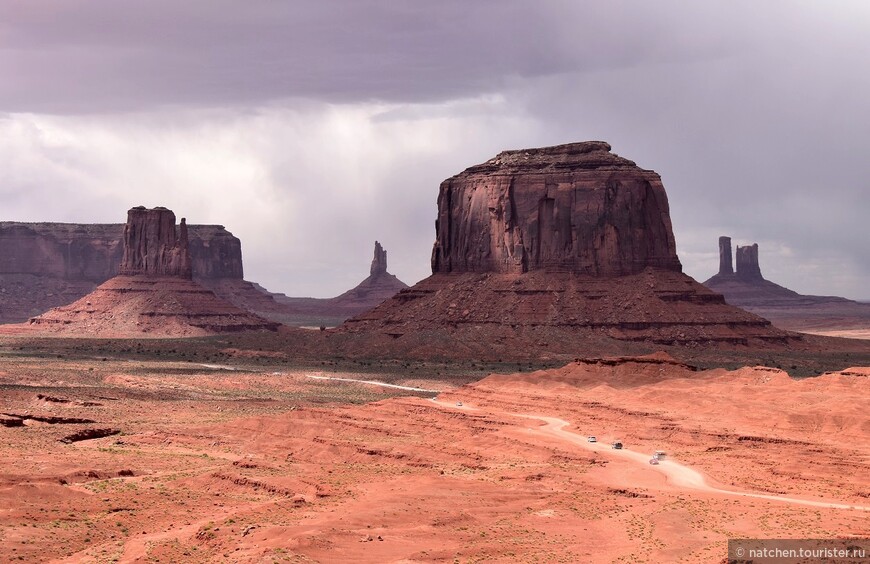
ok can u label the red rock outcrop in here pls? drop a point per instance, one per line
(573, 208)
(546, 250)
(155, 294)
(747, 263)
(379, 262)
(152, 246)
(726, 264)
(215, 253)
(149, 306)
(379, 286)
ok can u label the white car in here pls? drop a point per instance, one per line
(459, 404)
(592, 439)
(653, 460)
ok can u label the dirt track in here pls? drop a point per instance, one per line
(678, 475)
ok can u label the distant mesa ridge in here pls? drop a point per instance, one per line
(94, 251)
(46, 265)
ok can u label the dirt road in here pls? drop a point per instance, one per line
(677, 475)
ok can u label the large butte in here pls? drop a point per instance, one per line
(549, 249)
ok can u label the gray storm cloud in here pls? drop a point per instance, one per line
(311, 128)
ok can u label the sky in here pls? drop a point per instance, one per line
(312, 128)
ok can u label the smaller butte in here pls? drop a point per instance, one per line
(154, 294)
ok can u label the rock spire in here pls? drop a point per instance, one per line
(747, 263)
(379, 263)
(726, 263)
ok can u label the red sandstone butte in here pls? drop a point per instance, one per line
(379, 286)
(543, 250)
(154, 293)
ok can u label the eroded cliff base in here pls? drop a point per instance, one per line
(540, 314)
(159, 306)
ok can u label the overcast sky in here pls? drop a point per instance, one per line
(311, 128)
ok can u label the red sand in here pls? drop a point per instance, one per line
(238, 466)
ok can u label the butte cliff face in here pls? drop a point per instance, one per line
(546, 252)
(572, 208)
(154, 293)
(153, 246)
(93, 251)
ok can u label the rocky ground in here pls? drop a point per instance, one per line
(238, 456)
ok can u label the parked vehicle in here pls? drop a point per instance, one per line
(660, 454)
(617, 445)
(592, 439)
(653, 460)
(459, 404)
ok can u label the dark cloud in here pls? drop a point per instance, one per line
(99, 55)
(332, 123)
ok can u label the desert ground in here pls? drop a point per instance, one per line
(845, 333)
(238, 456)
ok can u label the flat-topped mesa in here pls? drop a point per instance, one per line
(747, 263)
(726, 263)
(152, 246)
(570, 208)
(379, 262)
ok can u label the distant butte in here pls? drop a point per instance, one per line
(747, 288)
(154, 294)
(378, 287)
(546, 249)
